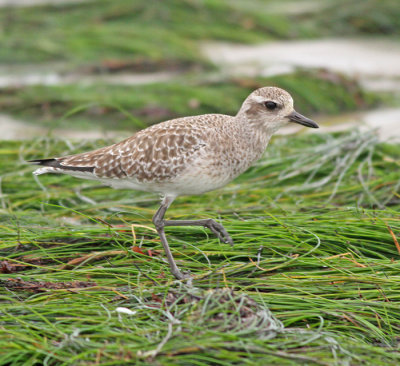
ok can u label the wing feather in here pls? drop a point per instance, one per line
(158, 153)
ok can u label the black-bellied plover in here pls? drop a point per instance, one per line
(186, 156)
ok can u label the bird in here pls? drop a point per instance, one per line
(186, 156)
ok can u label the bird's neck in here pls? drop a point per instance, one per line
(254, 135)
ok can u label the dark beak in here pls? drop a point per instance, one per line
(299, 118)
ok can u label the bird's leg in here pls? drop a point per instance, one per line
(159, 223)
(215, 227)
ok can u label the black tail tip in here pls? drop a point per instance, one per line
(44, 162)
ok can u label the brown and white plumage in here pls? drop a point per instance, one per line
(189, 155)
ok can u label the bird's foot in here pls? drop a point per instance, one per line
(219, 231)
(181, 275)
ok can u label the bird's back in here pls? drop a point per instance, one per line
(157, 154)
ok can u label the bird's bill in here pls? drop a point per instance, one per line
(299, 118)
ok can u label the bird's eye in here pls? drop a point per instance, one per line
(270, 105)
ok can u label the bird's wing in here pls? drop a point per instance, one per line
(158, 153)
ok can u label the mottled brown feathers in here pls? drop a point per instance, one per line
(187, 155)
(157, 153)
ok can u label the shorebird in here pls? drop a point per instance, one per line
(186, 156)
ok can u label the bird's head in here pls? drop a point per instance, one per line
(270, 108)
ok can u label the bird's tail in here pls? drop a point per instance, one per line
(48, 166)
(54, 165)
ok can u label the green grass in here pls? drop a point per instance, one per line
(154, 32)
(118, 107)
(134, 30)
(359, 17)
(313, 277)
(314, 269)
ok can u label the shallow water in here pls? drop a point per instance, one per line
(54, 74)
(386, 122)
(14, 129)
(376, 63)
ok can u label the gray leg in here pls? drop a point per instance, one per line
(160, 223)
(214, 226)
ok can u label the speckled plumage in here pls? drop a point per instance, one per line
(189, 155)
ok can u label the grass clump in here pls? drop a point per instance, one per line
(312, 278)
